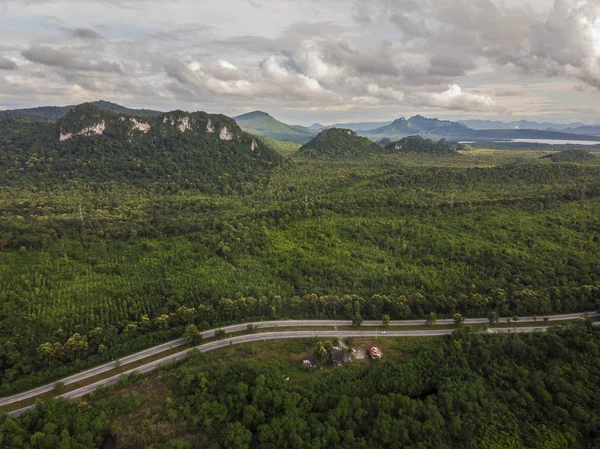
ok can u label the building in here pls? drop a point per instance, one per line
(375, 352)
(340, 357)
(309, 364)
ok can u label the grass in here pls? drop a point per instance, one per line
(288, 355)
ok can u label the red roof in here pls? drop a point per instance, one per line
(375, 352)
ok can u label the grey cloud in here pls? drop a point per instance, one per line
(361, 12)
(251, 44)
(360, 61)
(83, 33)
(551, 45)
(7, 64)
(69, 59)
(339, 62)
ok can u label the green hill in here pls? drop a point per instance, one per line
(53, 113)
(571, 156)
(262, 124)
(198, 150)
(417, 144)
(335, 142)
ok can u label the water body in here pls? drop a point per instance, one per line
(551, 141)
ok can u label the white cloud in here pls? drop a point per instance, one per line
(227, 65)
(454, 99)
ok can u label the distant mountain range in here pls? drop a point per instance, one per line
(358, 126)
(443, 129)
(53, 113)
(593, 130)
(521, 124)
(262, 124)
(419, 125)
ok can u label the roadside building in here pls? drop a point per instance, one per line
(375, 352)
(340, 357)
(308, 364)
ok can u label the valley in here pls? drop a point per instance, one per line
(122, 233)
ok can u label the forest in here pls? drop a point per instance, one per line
(97, 266)
(467, 390)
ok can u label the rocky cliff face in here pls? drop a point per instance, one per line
(88, 120)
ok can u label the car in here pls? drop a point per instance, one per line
(384, 332)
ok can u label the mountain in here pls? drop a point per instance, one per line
(420, 125)
(198, 150)
(417, 144)
(360, 126)
(593, 130)
(316, 127)
(336, 142)
(437, 129)
(521, 124)
(507, 134)
(262, 124)
(53, 113)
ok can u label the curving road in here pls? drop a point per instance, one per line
(254, 337)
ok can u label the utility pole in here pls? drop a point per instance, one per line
(305, 204)
(452, 201)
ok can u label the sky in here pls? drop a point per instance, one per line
(307, 61)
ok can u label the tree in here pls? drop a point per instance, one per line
(192, 336)
(458, 319)
(493, 317)
(431, 319)
(46, 352)
(219, 333)
(320, 352)
(162, 321)
(76, 343)
(236, 436)
(585, 320)
(357, 319)
(386, 320)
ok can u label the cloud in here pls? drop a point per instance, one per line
(375, 57)
(83, 33)
(7, 64)
(69, 59)
(454, 99)
(385, 93)
(559, 42)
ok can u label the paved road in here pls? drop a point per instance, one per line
(259, 325)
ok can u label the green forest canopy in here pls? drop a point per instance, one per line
(105, 261)
(468, 390)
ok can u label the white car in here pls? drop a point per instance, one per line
(384, 332)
